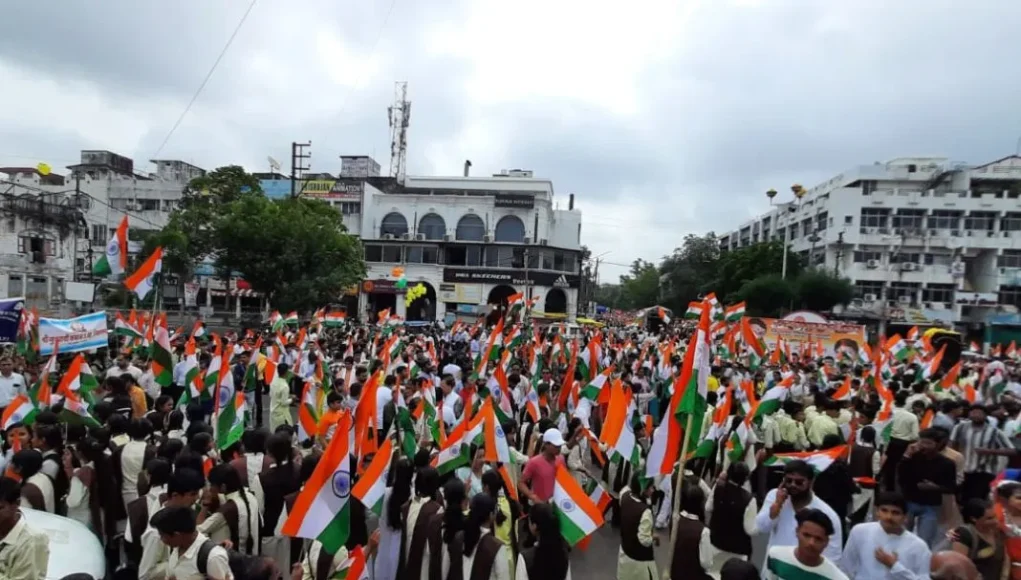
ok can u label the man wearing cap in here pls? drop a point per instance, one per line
(538, 478)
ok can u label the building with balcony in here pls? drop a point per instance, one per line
(39, 223)
(926, 240)
(471, 241)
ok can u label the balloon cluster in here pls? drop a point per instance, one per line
(414, 293)
(398, 272)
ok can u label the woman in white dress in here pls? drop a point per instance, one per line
(384, 565)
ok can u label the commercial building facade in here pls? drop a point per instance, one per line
(470, 241)
(924, 240)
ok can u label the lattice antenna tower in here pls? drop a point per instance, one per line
(399, 115)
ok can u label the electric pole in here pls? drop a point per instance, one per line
(298, 157)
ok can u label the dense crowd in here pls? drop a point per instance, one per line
(497, 451)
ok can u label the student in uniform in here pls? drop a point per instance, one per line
(484, 555)
(549, 558)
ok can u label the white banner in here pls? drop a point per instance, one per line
(74, 334)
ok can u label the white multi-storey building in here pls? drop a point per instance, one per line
(925, 238)
(39, 223)
(471, 241)
(40, 250)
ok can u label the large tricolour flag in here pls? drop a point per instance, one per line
(140, 282)
(162, 358)
(618, 433)
(322, 509)
(371, 486)
(578, 515)
(228, 422)
(691, 407)
(115, 259)
(819, 460)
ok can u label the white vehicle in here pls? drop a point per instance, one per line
(74, 549)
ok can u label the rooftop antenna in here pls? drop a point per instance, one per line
(399, 115)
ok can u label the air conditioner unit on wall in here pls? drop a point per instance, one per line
(448, 238)
(420, 237)
(869, 298)
(487, 238)
(388, 236)
(527, 241)
(904, 300)
(406, 236)
(872, 264)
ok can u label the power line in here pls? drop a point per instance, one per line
(209, 75)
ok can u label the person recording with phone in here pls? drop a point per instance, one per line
(777, 515)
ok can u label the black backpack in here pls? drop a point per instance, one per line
(239, 563)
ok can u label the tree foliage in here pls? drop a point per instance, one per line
(295, 251)
(751, 274)
(640, 286)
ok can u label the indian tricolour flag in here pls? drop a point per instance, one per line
(352, 568)
(371, 486)
(457, 450)
(819, 460)
(334, 319)
(228, 413)
(20, 410)
(694, 310)
(579, 516)
(162, 358)
(691, 407)
(115, 259)
(735, 312)
(618, 432)
(598, 494)
(141, 281)
(898, 347)
(121, 327)
(595, 386)
(291, 319)
(322, 509)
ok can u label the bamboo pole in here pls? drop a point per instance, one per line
(676, 510)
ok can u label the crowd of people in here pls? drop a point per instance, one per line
(884, 466)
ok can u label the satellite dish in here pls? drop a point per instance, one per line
(274, 165)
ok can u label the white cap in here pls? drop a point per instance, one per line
(553, 437)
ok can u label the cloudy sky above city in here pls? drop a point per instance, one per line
(665, 117)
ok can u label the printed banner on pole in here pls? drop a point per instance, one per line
(10, 316)
(74, 334)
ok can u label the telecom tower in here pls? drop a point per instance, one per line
(400, 115)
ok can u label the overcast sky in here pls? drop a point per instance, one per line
(665, 117)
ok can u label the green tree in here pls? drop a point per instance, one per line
(767, 295)
(640, 286)
(689, 270)
(738, 267)
(611, 296)
(296, 252)
(820, 291)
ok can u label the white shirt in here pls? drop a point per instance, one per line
(116, 371)
(859, 559)
(383, 396)
(24, 552)
(781, 564)
(414, 509)
(782, 530)
(11, 387)
(501, 565)
(184, 566)
(132, 462)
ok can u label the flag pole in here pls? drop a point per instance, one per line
(675, 512)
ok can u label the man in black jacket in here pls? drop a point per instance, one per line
(925, 476)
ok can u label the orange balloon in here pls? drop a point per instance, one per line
(397, 272)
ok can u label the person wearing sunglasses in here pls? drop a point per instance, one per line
(777, 517)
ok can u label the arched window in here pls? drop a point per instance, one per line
(432, 226)
(393, 223)
(470, 228)
(510, 229)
